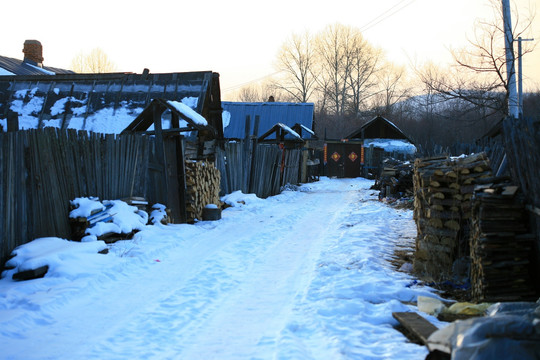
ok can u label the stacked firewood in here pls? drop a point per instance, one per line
(395, 179)
(443, 190)
(500, 246)
(203, 184)
(437, 216)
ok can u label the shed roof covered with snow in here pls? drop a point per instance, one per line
(105, 103)
(269, 113)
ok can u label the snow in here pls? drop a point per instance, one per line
(4, 72)
(44, 71)
(190, 101)
(85, 206)
(391, 145)
(123, 218)
(289, 130)
(59, 106)
(189, 112)
(66, 259)
(301, 275)
(307, 129)
(107, 120)
(226, 116)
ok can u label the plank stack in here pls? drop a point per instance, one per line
(203, 184)
(500, 244)
(395, 180)
(443, 189)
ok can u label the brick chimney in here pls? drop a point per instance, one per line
(33, 52)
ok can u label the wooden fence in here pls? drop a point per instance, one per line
(522, 143)
(261, 169)
(42, 170)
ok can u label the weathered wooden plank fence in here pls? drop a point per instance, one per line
(261, 169)
(42, 170)
(522, 144)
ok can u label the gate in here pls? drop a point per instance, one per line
(343, 159)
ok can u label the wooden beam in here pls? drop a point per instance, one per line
(416, 325)
(168, 131)
(31, 274)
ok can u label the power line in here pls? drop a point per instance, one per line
(378, 19)
(387, 13)
(251, 81)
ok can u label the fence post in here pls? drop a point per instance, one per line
(12, 121)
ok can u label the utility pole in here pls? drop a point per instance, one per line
(513, 106)
(520, 78)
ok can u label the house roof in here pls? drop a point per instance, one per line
(269, 113)
(10, 66)
(105, 103)
(379, 128)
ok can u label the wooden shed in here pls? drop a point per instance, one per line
(362, 151)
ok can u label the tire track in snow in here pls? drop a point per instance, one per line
(346, 313)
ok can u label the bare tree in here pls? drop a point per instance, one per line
(248, 93)
(94, 62)
(296, 59)
(361, 78)
(480, 76)
(390, 81)
(334, 65)
(347, 64)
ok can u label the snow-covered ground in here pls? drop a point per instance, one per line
(301, 275)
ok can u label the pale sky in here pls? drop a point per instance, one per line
(239, 38)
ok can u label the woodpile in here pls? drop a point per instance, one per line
(81, 224)
(202, 187)
(395, 180)
(500, 245)
(443, 190)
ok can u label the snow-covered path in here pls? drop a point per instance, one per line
(301, 275)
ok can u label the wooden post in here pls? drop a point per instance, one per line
(246, 156)
(253, 154)
(160, 153)
(12, 121)
(303, 164)
(181, 170)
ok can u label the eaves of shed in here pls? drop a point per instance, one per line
(379, 128)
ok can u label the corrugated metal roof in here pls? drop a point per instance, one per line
(20, 67)
(270, 113)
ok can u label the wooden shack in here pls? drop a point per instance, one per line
(361, 152)
(67, 143)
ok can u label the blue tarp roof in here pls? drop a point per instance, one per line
(270, 113)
